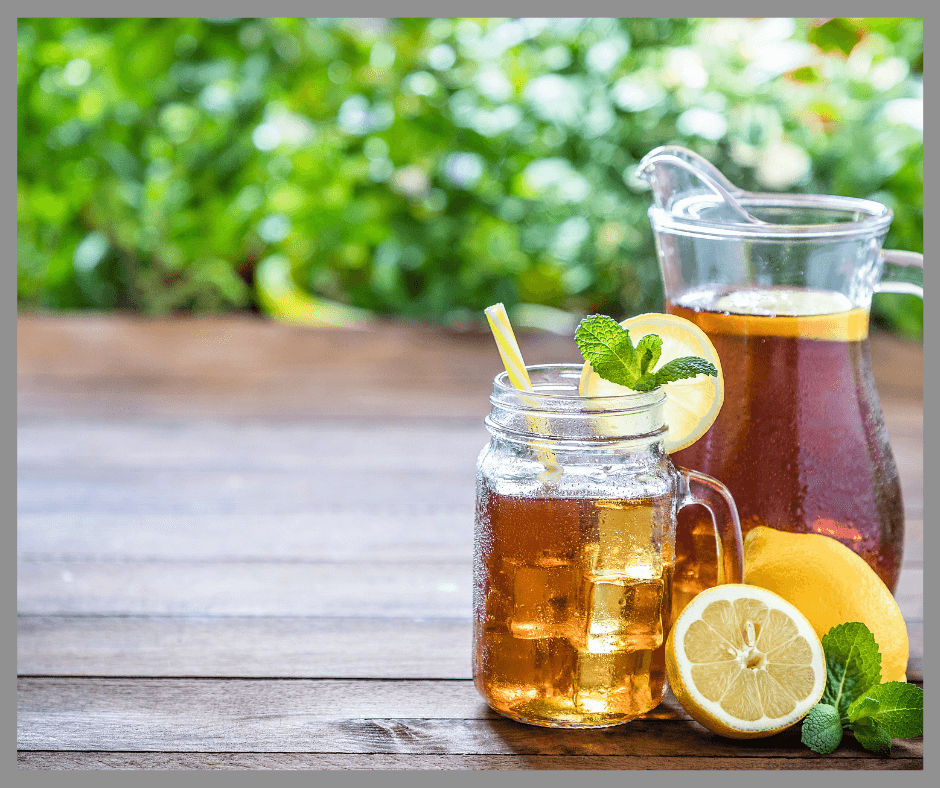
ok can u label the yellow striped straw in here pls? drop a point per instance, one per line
(508, 347)
(519, 377)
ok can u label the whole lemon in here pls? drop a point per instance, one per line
(830, 585)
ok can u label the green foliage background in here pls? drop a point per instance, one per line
(429, 168)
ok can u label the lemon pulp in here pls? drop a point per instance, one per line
(744, 662)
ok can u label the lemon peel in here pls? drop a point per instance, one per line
(744, 662)
(830, 585)
(692, 404)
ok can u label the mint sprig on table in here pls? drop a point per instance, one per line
(856, 700)
(609, 349)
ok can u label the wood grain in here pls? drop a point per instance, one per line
(367, 717)
(222, 468)
(91, 447)
(92, 365)
(327, 535)
(264, 647)
(242, 365)
(251, 588)
(434, 532)
(359, 647)
(155, 490)
(330, 761)
(357, 472)
(261, 588)
(240, 548)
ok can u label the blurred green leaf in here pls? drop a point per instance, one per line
(835, 35)
(431, 167)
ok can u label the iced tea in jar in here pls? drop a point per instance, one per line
(575, 551)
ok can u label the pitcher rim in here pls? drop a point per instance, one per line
(877, 220)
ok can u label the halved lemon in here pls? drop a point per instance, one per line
(744, 662)
(692, 404)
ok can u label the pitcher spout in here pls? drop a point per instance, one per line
(678, 175)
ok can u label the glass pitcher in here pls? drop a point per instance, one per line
(782, 284)
(574, 551)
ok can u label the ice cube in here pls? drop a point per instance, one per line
(616, 682)
(545, 598)
(627, 538)
(537, 668)
(624, 615)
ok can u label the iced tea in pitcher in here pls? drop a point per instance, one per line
(782, 285)
(800, 440)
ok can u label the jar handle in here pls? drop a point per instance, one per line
(903, 273)
(698, 488)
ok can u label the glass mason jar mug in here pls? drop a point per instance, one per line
(575, 549)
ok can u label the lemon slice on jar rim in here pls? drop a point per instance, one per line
(691, 405)
(744, 662)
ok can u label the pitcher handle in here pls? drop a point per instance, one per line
(903, 273)
(698, 488)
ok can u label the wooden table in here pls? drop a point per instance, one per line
(248, 545)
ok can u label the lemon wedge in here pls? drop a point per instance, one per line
(744, 662)
(692, 404)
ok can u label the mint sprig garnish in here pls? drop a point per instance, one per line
(853, 664)
(822, 729)
(854, 698)
(872, 737)
(895, 706)
(609, 349)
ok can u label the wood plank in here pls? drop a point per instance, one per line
(898, 365)
(148, 486)
(320, 761)
(314, 535)
(246, 647)
(202, 366)
(261, 588)
(358, 470)
(364, 717)
(263, 488)
(353, 589)
(368, 717)
(915, 662)
(219, 493)
(909, 459)
(89, 447)
(260, 647)
(134, 493)
(903, 417)
(211, 367)
(85, 448)
(913, 543)
(910, 594)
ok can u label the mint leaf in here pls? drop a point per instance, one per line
(822, 729)
(646, 383)
(685, 367)
(607, 347)
(895, 706)
(872, 736)
(648, 351)
(853, 664)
